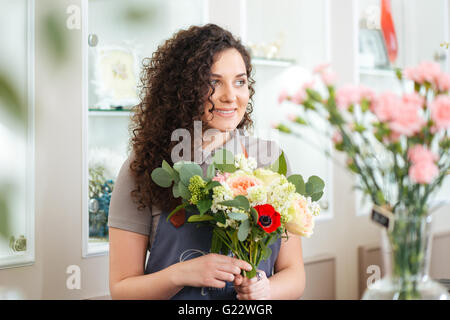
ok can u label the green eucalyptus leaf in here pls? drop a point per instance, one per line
(255, 214)
(314, 185)
(244, 229)
(211, 171)
(176, 191)
(226, 167)
(189, 170)
(316, 196)
(238, 202)
(237, 216)
(161, 177)
(184, 191)
(298, 182)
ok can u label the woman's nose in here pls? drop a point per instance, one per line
(228, 94)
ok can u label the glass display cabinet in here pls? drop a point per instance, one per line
(118, 36)
(17, 133)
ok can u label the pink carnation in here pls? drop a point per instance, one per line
(407, 119)
(385, 105)
(321, 67)
(328, 77)
(423, 172)
(221, 177)
(440, 112)
(366, 93)
(337, 137)
(443, 82)
(283, 96)
(426, 71)
(299, 96)
(420, 153)
(346, 96)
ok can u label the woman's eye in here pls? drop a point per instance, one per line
(214, 82)
(241, 82)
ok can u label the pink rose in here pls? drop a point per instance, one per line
(440, 112)
(301, 220)
(240, 184)
(420, 153)
(423, 172)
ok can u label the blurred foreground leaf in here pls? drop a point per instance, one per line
(10, 99)
(4, 219)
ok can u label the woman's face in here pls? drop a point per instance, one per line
(229, 78)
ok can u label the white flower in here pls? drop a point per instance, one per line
(221, 193)
(246, 164)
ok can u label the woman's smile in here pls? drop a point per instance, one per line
(225, 113)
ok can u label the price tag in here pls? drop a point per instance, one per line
(383, 217)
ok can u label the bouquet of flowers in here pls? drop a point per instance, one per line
(247, 207)
(397, 145)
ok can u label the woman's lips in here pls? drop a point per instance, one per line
(226, 112)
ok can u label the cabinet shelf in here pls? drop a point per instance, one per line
(110, 112)
(258, 61)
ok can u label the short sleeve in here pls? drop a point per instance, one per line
(123, 210)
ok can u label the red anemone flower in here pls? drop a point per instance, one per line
(268, 218)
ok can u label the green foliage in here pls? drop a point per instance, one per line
(279, 165)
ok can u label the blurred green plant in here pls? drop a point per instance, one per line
(138, 14)
(4, 217)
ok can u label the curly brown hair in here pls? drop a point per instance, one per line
(174, 90)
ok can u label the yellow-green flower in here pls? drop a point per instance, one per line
(197, 188)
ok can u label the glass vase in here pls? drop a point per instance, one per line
(406, 252)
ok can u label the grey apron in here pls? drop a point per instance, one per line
(172, 245)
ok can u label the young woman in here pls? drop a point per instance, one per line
(200, 75)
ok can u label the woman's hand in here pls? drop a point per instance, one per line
(210, 270)
(252, 289)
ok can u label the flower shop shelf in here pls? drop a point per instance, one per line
(110, 113)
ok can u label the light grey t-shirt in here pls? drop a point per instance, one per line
(123, 211)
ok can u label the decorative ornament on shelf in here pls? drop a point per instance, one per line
(116, 77)
(388, 28)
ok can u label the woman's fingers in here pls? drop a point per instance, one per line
(238, 280)
(225, 276)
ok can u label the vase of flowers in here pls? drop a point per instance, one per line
(398, 146)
